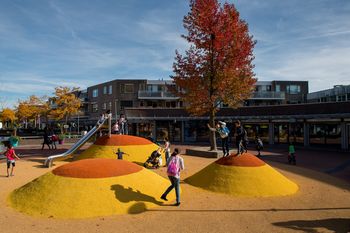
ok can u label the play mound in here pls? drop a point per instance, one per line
(77, 190)
(97, 168)
(121, 140)
(247, 160)
(243, 175)
(137, 149)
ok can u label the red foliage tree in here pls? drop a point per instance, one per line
(217, 68)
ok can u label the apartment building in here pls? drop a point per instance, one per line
(339, 93)
(278, 92)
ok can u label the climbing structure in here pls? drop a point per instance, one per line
(243, 175)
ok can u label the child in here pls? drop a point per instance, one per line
(223, 132)
(291, 154)
(10, 157)
(175, 164)
(259, 145)
(120, 154)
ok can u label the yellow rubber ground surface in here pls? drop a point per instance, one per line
(65, 197)
(263, 181)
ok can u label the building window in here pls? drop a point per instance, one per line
(293, 89)
(110, 90)
(126, 104)
(278, 88)
(104, 106)
(127, 88)
(95, 93)
(110, 105)
(94, 107)
(141, 87)
(105, 90)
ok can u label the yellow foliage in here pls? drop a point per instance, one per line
(8, 114)
(66, 102)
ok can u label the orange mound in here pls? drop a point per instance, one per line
(97, 168)
(121, 140)
(244, 160)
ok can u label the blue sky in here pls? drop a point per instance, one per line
(47, 43)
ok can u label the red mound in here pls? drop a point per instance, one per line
(244, 160)
(121, 140)
(97, 168)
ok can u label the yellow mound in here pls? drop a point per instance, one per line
(65, 197)
(137, 151)
(258, 181)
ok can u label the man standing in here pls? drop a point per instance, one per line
(223, 132)
(241, 138)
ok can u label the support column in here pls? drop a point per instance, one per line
(306, 134)
(109, 125)
(137, 129)
(154, 131)
(344, 136)
(182, 131)
(271, 133)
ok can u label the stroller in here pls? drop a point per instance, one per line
(154, 160)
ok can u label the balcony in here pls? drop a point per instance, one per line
(268, 95)
(157, 95)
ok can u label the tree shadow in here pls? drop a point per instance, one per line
(339, 225)
(128, 194)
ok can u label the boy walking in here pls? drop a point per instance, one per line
(175, 164)
(291, 154)
(259, 145)
(241, 138)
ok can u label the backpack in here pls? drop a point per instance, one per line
(224, 132)
(173, 167)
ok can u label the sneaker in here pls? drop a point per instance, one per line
(163, 198)
(177, 204)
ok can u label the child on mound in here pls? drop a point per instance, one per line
(120, 154)
(10, 157)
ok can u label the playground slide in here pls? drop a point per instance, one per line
(76, 146)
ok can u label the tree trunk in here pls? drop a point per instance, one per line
(212, 136)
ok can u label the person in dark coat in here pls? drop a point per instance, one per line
(47, 140)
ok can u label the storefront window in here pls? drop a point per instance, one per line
(325, 134)
(296, 133)
(145, 130)
(196, 131)
(281, 133)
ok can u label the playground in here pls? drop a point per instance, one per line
(102, 194)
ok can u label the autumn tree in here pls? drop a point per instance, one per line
(24, 112)
(66, 103)
(33, 109)
(8, 115)
(217, 67)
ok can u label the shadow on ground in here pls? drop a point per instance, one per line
(128, 194)
(339, 225)
(251, 210)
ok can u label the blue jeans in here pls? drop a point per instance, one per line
(175, 183)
